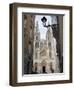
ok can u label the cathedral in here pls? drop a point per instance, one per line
(45, 58)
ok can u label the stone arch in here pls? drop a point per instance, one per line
(43, 65)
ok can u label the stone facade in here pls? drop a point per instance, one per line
(28, 42)
(45, 59)
(58, 34)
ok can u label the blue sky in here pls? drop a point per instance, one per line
(42, 29)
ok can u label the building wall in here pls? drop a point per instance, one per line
(58, 34)
(45, 59)
(28, 42)
(60, 20)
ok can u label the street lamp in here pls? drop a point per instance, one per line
(44, 20)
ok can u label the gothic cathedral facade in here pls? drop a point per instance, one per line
(45, 59)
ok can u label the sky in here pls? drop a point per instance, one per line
(42, 29)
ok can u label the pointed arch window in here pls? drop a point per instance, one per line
(36, 37)
(37, 45)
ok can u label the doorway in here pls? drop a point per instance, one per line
(44, 69)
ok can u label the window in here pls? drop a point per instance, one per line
(36, 37)
(37, 45)
(41, 44)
